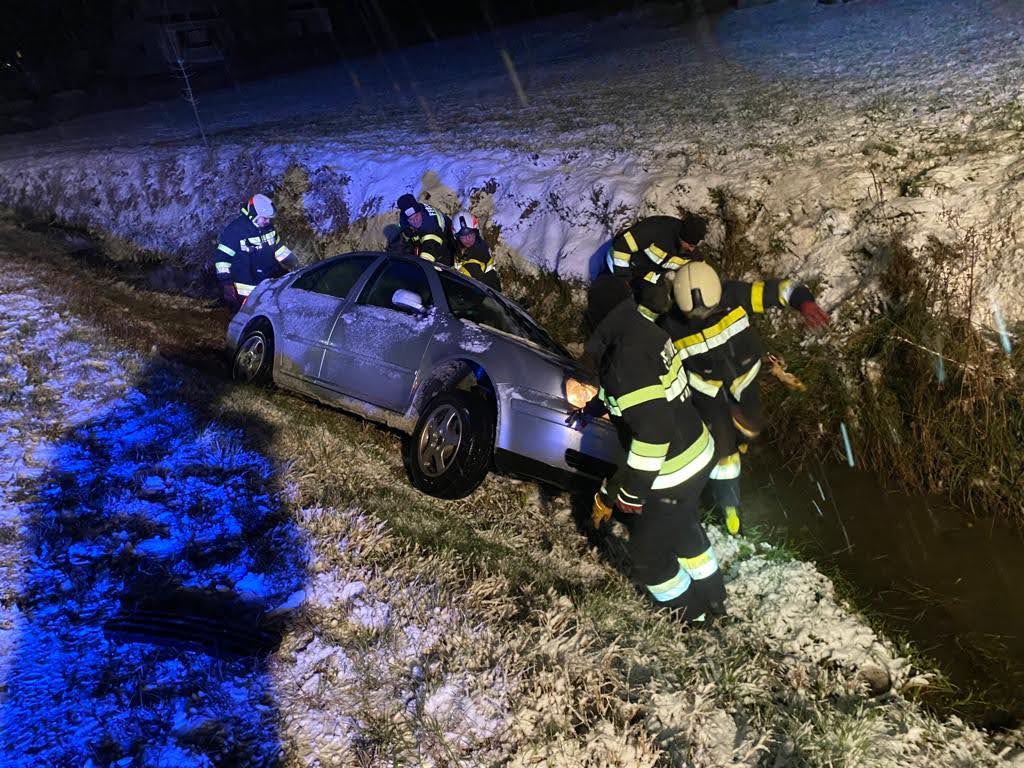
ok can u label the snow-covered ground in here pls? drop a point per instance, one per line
(106, 488)
(111, 489)
(116, 480)
(829, 127)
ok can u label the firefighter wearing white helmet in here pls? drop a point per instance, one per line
(472, 256)
(249, 251)
(710, 327)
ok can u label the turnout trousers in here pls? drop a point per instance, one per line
(733, 424)
(670, 552)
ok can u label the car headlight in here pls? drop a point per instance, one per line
(578, 393)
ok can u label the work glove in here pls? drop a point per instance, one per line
(814, 316)
(627, 507)
(578, 417)
(230, 296)
(600, 512)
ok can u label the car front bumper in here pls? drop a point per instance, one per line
(532, 426)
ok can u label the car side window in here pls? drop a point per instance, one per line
(335, 279)
(468, 302)
(395, 275)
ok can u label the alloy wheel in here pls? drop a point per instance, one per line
(250, 357)
(440, 440)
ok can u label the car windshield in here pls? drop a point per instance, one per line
(485, 307)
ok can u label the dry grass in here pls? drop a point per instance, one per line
(931, 398)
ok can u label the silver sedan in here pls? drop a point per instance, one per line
(469, 376)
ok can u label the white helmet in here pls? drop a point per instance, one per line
(696, 288)
(262, 206)
(462, 221)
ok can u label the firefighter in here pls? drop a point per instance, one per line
(424, 230)
(657, 488)
(471, 255)
(721, 352)
(249, 252)
(650, 248)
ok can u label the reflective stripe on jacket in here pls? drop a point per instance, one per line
(648, 249)
(723, 349)
(643, 385)
(247, 254)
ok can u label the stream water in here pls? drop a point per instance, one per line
(930, 573)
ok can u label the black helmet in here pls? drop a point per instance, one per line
(605, 294)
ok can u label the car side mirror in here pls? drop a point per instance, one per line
(408, 301)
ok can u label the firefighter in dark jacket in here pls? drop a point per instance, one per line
(472, 257)
(249, 252)
(648, 249)
(424, 231)
(670, 454)
(710, 327)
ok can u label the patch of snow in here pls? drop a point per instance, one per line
(133, 486)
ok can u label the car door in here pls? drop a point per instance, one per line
(376, 348)
(310, 307)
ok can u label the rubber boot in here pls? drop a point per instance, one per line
(732, 521)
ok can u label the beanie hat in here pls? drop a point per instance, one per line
(408, 204)
(262, 206)
(605, 294)
(693, 230)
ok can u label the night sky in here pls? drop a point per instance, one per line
(46, 31)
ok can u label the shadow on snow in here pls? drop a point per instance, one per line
(156, 541)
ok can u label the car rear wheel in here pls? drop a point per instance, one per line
(449, 453)
(254, 357)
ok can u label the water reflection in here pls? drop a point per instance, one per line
(947, 583)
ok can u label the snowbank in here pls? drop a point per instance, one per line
(828, 126)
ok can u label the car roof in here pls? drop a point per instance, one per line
(453, 273)
(413, 260)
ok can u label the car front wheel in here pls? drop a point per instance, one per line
(450, 450)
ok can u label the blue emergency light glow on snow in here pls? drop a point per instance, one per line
(1004, 337)
(846, 443)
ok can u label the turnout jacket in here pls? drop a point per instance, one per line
(430, 241)
(644, 388)
(477, 262)
(247, 254)
(648, 249)
(723, 350)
